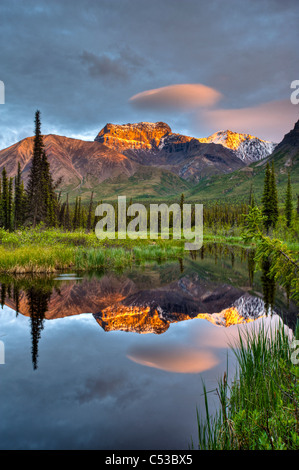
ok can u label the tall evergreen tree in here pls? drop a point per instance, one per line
(34, 187)
(251, 197)
(266, 203)
(76, 217)
(42, 200)
(273, 198)
(5, 200)
(89, 213)
(1, 210)
(10, 202)
(18, 199)
(288, 207)
(269, 198)
(50, 200)
(67, 218)
(79, 213)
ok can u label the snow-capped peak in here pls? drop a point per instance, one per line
(246, 146)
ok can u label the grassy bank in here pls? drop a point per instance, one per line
(260, 409)
(39, 250)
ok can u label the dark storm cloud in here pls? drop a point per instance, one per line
(80, 62)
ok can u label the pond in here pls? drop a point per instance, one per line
(116, 360)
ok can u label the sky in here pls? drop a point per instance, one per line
(199, 66)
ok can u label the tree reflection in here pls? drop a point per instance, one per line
(269, 286)
(38, 300)
(36, 292)
(251, 266)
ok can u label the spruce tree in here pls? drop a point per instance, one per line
(1, 209)
(75, 218)
(35, 209)
(50, 201)
(5, 200)
(67, 218)
(79, 213)
(42, 201)
(288, 203)
(273, 198)
(18, 199)
(251, 197)
(10, 205)
(269, 198)
(266, 203)
(89, 213)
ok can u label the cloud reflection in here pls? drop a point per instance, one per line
(180, 359)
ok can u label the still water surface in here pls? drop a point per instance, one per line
(115, 360)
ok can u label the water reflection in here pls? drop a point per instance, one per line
(174, 359)
(217, 284)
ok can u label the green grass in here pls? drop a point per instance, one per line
(37, 251)
(50, 250)
(260, 409)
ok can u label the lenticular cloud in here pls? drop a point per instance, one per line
(184, 97)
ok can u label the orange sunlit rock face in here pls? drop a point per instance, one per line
(143, 135)
(135, 319)
(143, 320)
(228, 138)
(228, 317)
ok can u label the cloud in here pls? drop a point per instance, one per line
(269, 121)
(249, 55)
(182, 97)
(186, 360)
(117, 67)
(103, 65)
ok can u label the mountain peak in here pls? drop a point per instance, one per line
(247, 147)
(141, 135)
(291, 139)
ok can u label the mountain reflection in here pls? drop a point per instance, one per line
(212, 285)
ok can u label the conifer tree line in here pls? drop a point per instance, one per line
(269, 201)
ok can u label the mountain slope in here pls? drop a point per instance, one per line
(72, 159)
(86, 166)
(246, 147)
(236, 186)
(154, 144)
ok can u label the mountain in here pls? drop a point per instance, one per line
(236, 185)
(144, 135)
(290, 142)
(72, 159)
(85, 166)
(140, 160)
(154, 144)
(246, 147)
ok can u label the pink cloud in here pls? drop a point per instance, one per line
(269, 121)
(183, 97)
(186, 360)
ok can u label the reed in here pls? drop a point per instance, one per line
(259, 410)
